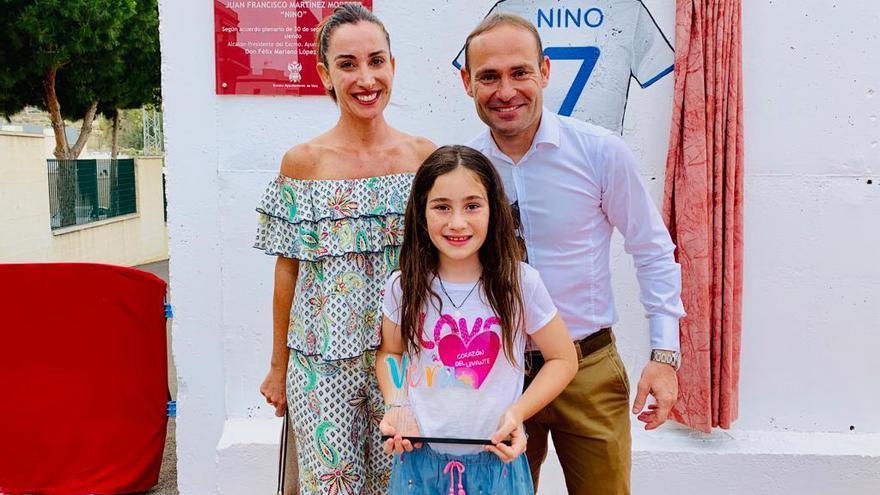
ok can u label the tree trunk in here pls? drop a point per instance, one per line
(62, 149)
(65, 185)
(67, 176)
(85, 130)
(114, 169)
(114, 135)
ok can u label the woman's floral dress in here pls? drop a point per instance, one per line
(346, 235)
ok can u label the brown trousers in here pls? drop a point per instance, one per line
(590, 426)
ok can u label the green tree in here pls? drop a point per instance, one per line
(138, 77)
(75, 58)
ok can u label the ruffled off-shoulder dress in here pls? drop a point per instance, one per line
(346, 235)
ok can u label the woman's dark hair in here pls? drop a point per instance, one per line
(500, 253)
(347, 13)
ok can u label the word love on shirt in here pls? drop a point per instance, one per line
(467, 357)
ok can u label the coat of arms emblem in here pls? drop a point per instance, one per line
(295, 69)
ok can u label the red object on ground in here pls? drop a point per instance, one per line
(83, 379)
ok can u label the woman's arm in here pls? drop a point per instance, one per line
(273, 387)
(399, 419)
(560, 366)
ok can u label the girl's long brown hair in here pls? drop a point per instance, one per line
(500, 254)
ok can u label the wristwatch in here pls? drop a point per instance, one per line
(672, 358)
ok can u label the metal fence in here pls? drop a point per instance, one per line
(86, 191)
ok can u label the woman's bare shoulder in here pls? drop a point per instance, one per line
(423, 147)
(417, 148)
(301, 161)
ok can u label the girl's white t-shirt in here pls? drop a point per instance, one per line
(461, 382)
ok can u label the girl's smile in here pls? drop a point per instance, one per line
(459, 240)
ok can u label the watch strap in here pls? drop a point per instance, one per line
(672, 358)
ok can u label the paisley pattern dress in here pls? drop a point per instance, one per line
(346, 235)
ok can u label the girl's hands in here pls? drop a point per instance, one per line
(510, 426)
(398, 422)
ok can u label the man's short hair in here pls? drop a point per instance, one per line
(502, 19)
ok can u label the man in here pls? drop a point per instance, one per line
(573, 183)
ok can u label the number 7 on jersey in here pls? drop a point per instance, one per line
(589, 55)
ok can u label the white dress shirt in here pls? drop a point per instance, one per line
(574, 185)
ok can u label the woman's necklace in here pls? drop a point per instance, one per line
(457, 312)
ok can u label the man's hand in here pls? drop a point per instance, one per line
(661, 381)
(275, 391)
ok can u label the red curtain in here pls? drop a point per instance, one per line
(703, 207)
(83, 379)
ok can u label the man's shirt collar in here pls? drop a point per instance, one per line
(548, 130)
(547, 135)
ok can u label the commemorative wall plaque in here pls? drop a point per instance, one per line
(267, 47)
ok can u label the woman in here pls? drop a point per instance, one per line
(334, 219)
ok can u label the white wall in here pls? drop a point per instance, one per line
(812, 278)
(25, 232)
(21, 179)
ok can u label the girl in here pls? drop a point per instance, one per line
(333, 219)
(457, 317)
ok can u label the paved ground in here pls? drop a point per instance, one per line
(168, 476)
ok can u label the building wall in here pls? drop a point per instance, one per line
(25, 233)
(24, 222)
(808, 396)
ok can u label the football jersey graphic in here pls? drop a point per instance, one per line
(595, 47)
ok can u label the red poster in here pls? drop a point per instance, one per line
(268, 47)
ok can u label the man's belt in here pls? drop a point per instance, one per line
(586, 346)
